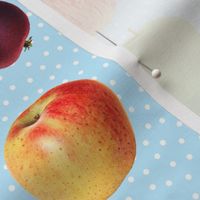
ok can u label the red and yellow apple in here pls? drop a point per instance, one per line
(74, 142)
(14, 29)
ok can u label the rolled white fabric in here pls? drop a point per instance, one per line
(88, 15)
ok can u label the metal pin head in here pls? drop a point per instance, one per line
(156, 73)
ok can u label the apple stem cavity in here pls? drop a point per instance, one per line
(35, 119)
(28, 43)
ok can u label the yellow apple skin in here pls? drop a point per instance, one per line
(74, 143)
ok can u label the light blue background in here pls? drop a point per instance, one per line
(168, 158)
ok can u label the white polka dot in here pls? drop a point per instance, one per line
(42, 67)
(146, 172)
(80, 72)
(162, 120)
(25, 98)
(75, 50)
(131, 179)
(11, 188)
(189, 156)
(131, 109)
(52, 77)
(29, 14)
(163, 142)
(12, 87)
(152, 186)
(145, 142)
(4, 119)
(1, 78)
(94, 56)
(195, 196)
(172, 163)
(60, 48)
(147, 107)
(40, 25)
(65, 81)
(40, 90)
(6, 102)
(94, 78)
(58, 66)
(140, 89)
(129, 198)
(157, 156)
(179, 124)
(181, 141)
(5, 167)
(76, 62)
(188, 177)
(46, 38)
(29, 80)
(148, 126)
(168, 183)
(105, 65)
(112, 82)
(45, 53)
(28, 64)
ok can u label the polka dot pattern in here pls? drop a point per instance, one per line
(146, 172)
(173, 163)
(146, 143)
(195, 196)
(131, 179)
(11, 188)
(12, 87)
(163, 142)
(147, 107)
(112, 82)
(5, 102)
(152, 187)
(157, 156)
(165, 146)
(76, 62)
(28, 64)
(148, 126)
(46, 38)
(5, 167)
(129, 198)
(168, 183)
(162, 120)
(131, 109)
(188, 177)
(46, 53)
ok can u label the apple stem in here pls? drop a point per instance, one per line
(28, 43)
(37, 117)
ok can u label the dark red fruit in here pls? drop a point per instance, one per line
(14, 29)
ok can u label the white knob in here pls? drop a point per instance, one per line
(156, 73)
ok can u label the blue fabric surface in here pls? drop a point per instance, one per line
(168, 158)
